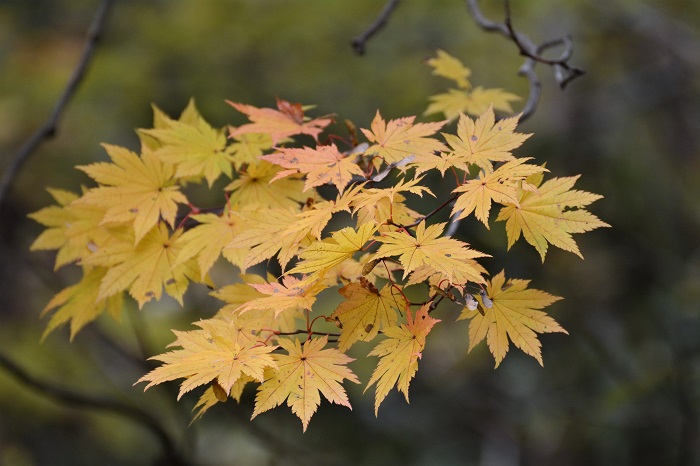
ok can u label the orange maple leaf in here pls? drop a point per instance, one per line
(323, 164)
(292, 294)
(286, 121)
(399, 354)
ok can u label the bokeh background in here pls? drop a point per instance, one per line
(622, 388)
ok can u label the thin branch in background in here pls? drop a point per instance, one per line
(75, 399)
(564, 73)
(359, 42)
(50, 127)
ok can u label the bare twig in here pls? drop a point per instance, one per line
(359, 42)
(564, 73)
(80, 400)
(50, 127)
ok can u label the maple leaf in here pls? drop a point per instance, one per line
(190, 116)
(451, 68)
(365, 311)
(247, 147)
(74, 229)
(323, 255)
(194, 150)
(253, 187)
(514, 315)
(238, 293)
(207, 241)
(260, 233)
(301, 376)
(485, 140)
(502, 186)
(251, 322)
(311, 222)
(550, 215)
(56, 218)
(211, 353)
(399, 139)
(291, 294)
(61, 221)
(370, 197)
(288, 120)
(399, 355)
(322, 165)
(443, 254)
(146, 268)
(210, 399)
(474, 102)
(80, 303)
(139, 189)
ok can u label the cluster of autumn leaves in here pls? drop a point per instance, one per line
(137, 233)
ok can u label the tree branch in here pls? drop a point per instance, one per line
(564, 73)
(49, 129)
(80, 400)
(359, 42)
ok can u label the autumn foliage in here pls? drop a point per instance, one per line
(137, 233)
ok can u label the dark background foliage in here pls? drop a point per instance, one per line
(622, 388)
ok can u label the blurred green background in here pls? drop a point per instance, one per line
(622, 388)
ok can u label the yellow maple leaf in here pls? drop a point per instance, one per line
(75, 229)
(502, 186)
(210, 399)
(399, 355)
(447, 66)
(485, 140)
(365, 311)
(145, 269)
(260, 234)
(514, 315)
(138, 190)
(254, 187)
(236, 294)
(58, 219)
(211, 353)
(247, 147)
(443, 254)
(312, 221)
(208, 240)
(287, 120)
(302, 375)
(384, 209)
(189, 116)
(321, 165)
(194, 150)
(474, 102)
(80, 303)
(323, 255)
(401, 139)
(550, 215)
